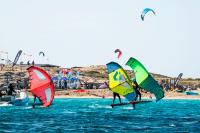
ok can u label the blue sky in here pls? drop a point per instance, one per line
(86, 32)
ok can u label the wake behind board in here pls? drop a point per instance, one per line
(132, 102)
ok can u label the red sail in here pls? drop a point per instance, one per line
(41, 85)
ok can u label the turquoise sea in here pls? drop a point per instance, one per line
(95, 115)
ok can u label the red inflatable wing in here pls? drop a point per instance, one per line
(41, 85)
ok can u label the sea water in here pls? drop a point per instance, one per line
(96, 115)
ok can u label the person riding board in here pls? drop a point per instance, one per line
(114, 94)
(136, 87)
(34, 102)
(28, 86)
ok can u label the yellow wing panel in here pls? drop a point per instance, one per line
(120, 83)
(123, 89)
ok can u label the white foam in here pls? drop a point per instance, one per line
(100, 106)
(69, 112)
(128, 108)
(172, 125)
(5, 104)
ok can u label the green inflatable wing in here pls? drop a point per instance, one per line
(144, 79)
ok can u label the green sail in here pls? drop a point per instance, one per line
(144, 79)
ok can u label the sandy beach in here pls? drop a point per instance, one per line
(105, 93)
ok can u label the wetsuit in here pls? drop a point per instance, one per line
(34, 102)
(137, 91)
(11, 90)
(1, 94)
(114, 96)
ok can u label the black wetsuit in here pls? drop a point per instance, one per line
(137, 91)
(34, 102)
(11, 89)
(1, 94)
(114, 96)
